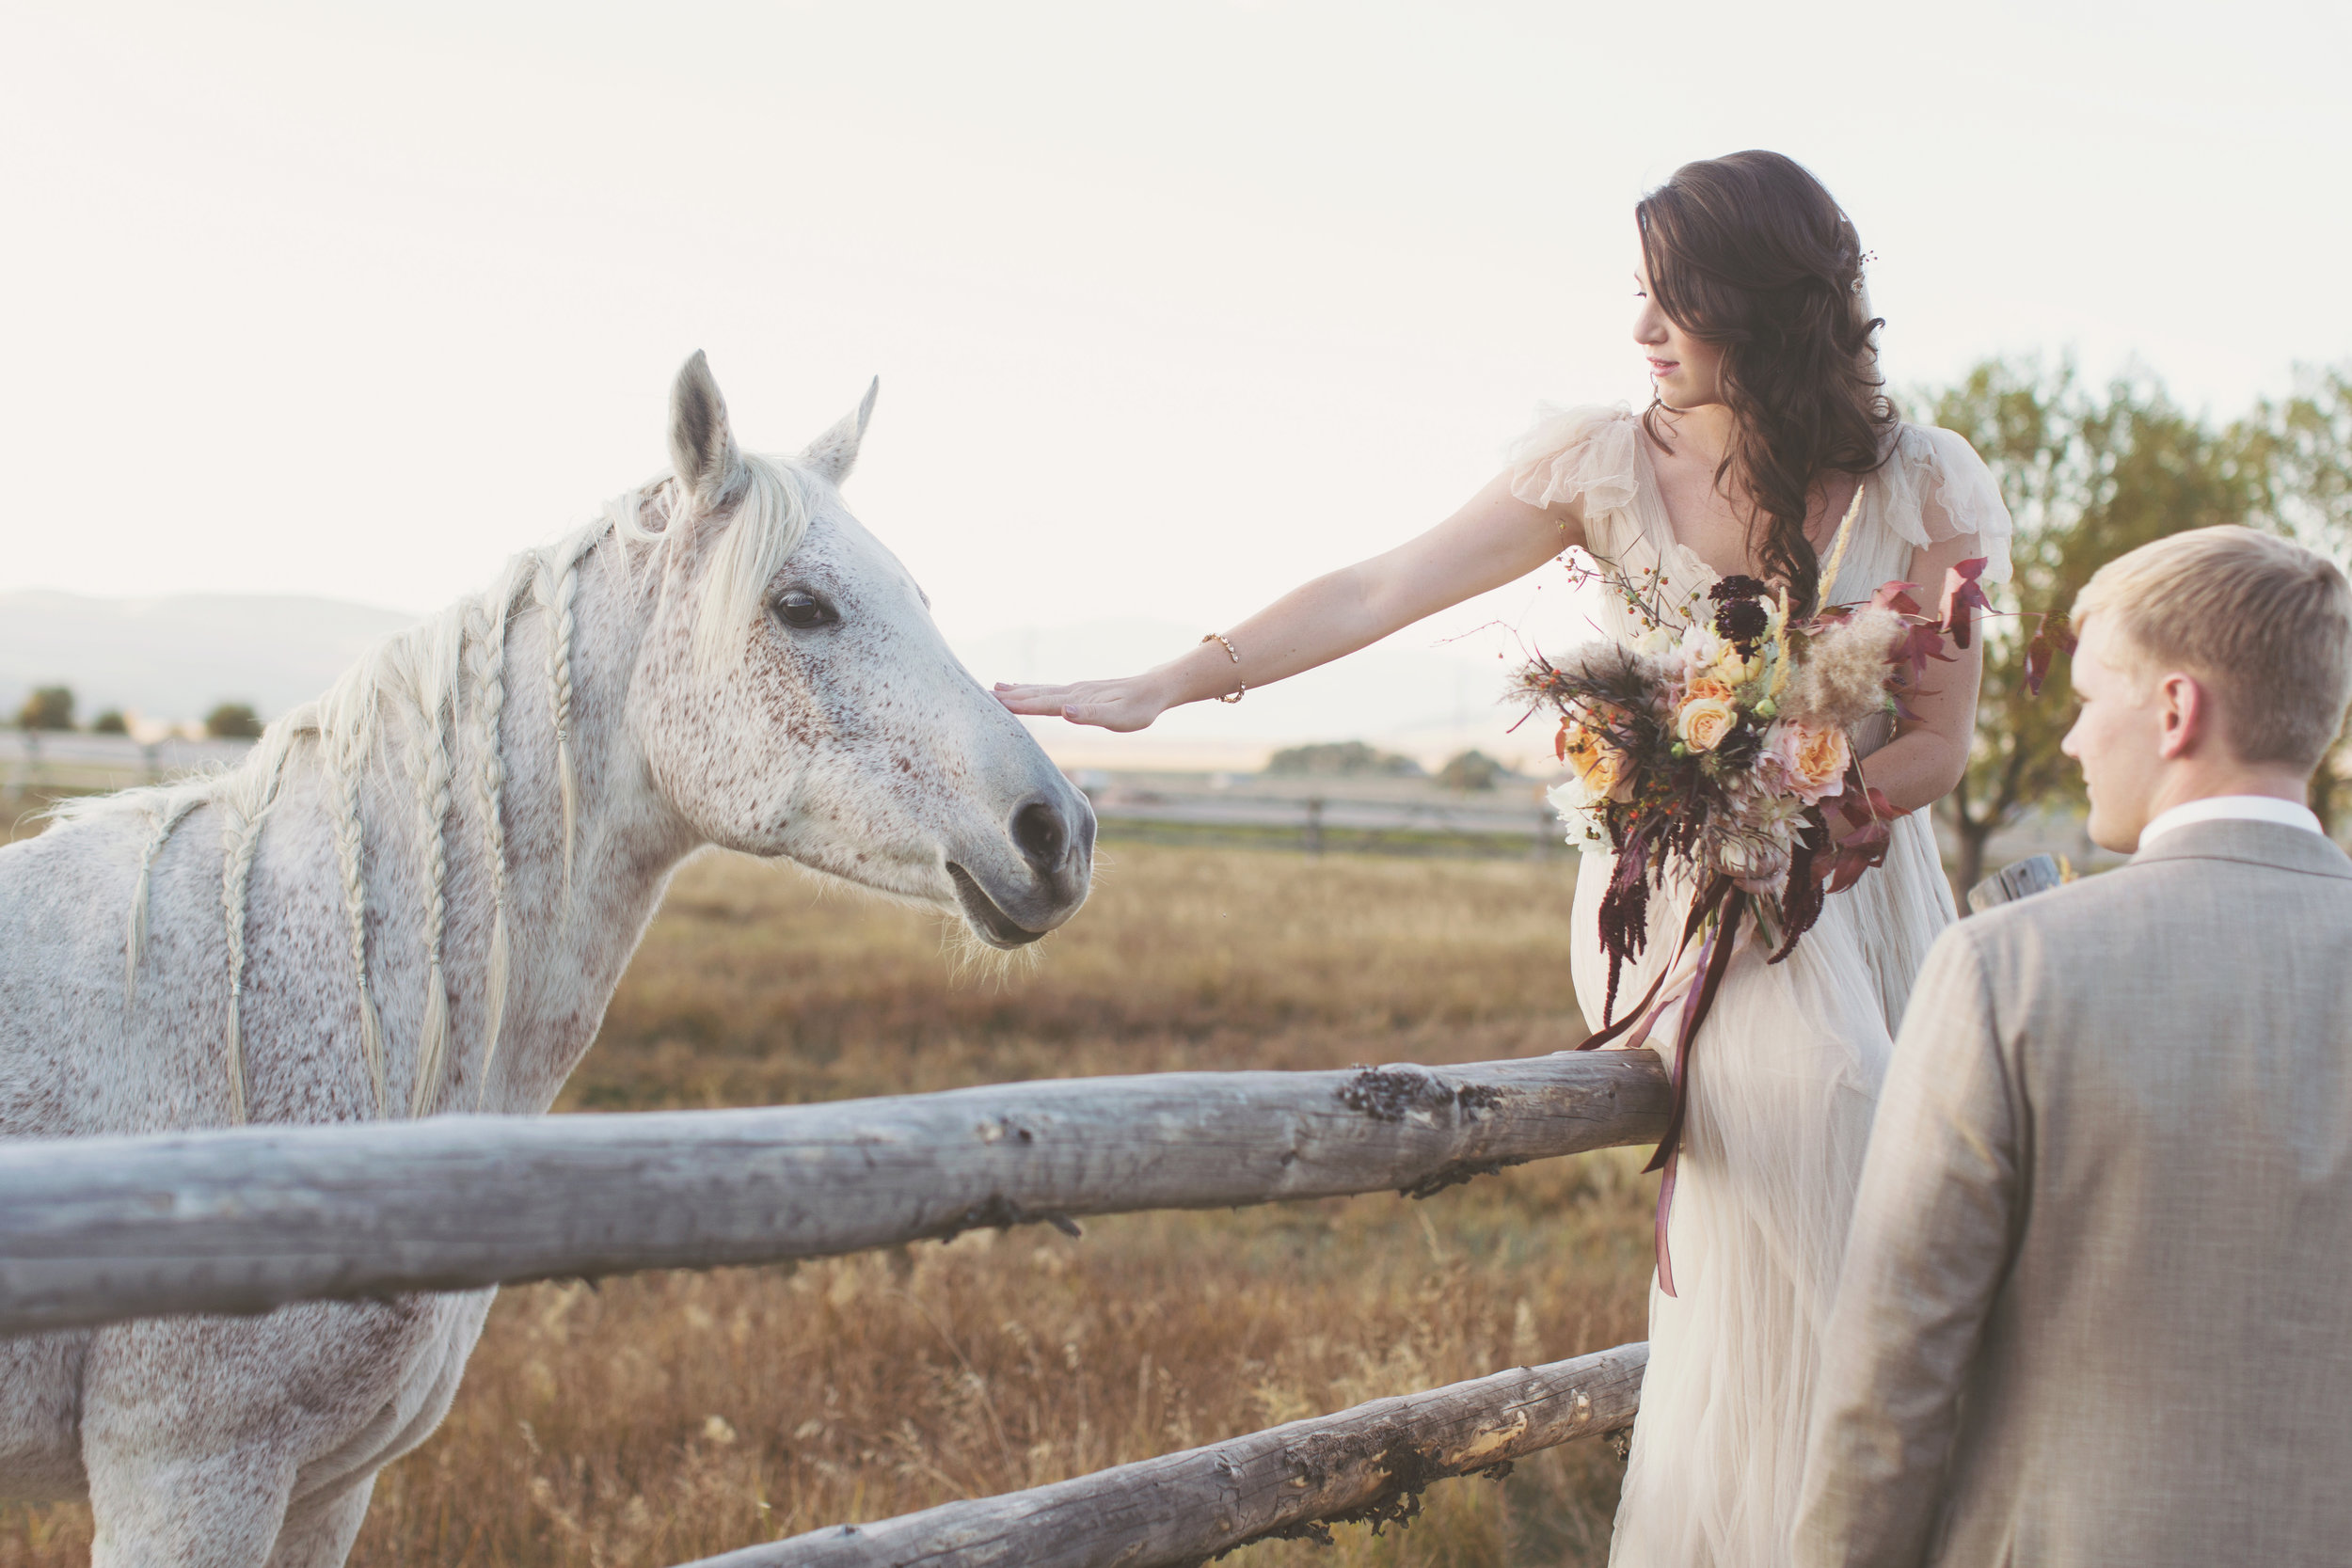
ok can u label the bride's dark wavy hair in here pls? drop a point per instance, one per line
(1750, 252)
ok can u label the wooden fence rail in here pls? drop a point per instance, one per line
(1366, 1463)
(102, 1229)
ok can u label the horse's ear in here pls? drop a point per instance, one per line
(702, 448)
(834, 452)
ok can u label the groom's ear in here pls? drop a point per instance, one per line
(702, 446)
(2189, 721)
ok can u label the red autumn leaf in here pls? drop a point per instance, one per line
(1963, 594)
(1916, 647)
(2037, 655)
(2054, 637)
(1856, 853)
(1897, 598)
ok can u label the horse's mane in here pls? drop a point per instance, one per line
(403, 701)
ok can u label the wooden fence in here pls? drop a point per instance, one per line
(103, 1229)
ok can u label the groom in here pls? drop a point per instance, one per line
(2097, 1302)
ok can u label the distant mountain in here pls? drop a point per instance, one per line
(173, 658)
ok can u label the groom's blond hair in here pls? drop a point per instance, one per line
(2263, 623)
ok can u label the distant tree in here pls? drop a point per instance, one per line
(233, 722)
(110, 722)
(1339, 759)
(2306, 444)
(50, 707)
(2086, 478)
(1472, 770)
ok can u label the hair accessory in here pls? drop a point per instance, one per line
(1218, 638)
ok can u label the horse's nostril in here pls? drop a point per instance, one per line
(1041, 834)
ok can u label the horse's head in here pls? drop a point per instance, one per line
(792, 696)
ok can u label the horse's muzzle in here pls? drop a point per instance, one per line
(1054, 833)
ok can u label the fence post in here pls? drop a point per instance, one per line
(1314, 837)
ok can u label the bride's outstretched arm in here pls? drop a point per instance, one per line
(1492, 540)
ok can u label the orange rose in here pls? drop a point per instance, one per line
(1598, 765)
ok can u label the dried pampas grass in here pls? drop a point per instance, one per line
(1842, 678)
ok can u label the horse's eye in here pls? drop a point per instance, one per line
(802, 610)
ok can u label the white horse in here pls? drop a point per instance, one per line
(417, 896)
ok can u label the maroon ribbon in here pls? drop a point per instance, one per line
(1714, 962)
(1700, 911)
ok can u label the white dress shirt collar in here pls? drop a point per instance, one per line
(2232, 808)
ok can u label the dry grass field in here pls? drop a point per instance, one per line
(663, 1417)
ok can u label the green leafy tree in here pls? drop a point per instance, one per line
(1339, 759)
(2305, 441)
(233, 722)
(110, 722)
(2086, 477)
(1471, 770)
(50, 707)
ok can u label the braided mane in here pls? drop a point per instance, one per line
(403, 701)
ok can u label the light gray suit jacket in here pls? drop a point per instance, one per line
(2097, 1302)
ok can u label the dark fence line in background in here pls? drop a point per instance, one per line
(1514, 828)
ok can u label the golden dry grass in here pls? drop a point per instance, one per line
(671, 1416)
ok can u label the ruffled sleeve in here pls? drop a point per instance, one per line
(1570, 453)
(1938, 488)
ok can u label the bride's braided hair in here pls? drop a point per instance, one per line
(1751, 253)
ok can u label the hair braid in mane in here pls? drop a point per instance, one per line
(435, 719)
(243, 812)
(346, 753)
(167, 809)
(559, 584)
(487, 668)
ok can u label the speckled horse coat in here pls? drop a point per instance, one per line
(417, 896)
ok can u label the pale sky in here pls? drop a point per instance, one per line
(1173, 305)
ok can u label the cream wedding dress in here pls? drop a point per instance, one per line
(1788, 1060)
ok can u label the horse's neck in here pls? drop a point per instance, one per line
(569, 938)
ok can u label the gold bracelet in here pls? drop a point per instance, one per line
(1219, 639)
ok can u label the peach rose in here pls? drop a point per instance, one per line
(1814, 759)
(1705, 719)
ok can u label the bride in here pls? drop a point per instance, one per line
(1768, 418)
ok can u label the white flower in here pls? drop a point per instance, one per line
(1579, 812)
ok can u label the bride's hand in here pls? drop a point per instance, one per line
(1121, 705)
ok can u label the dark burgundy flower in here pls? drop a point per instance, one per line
(1737, 587)
(1741, 621)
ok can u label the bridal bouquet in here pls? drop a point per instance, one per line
(1716, 750)
(1719, 749)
